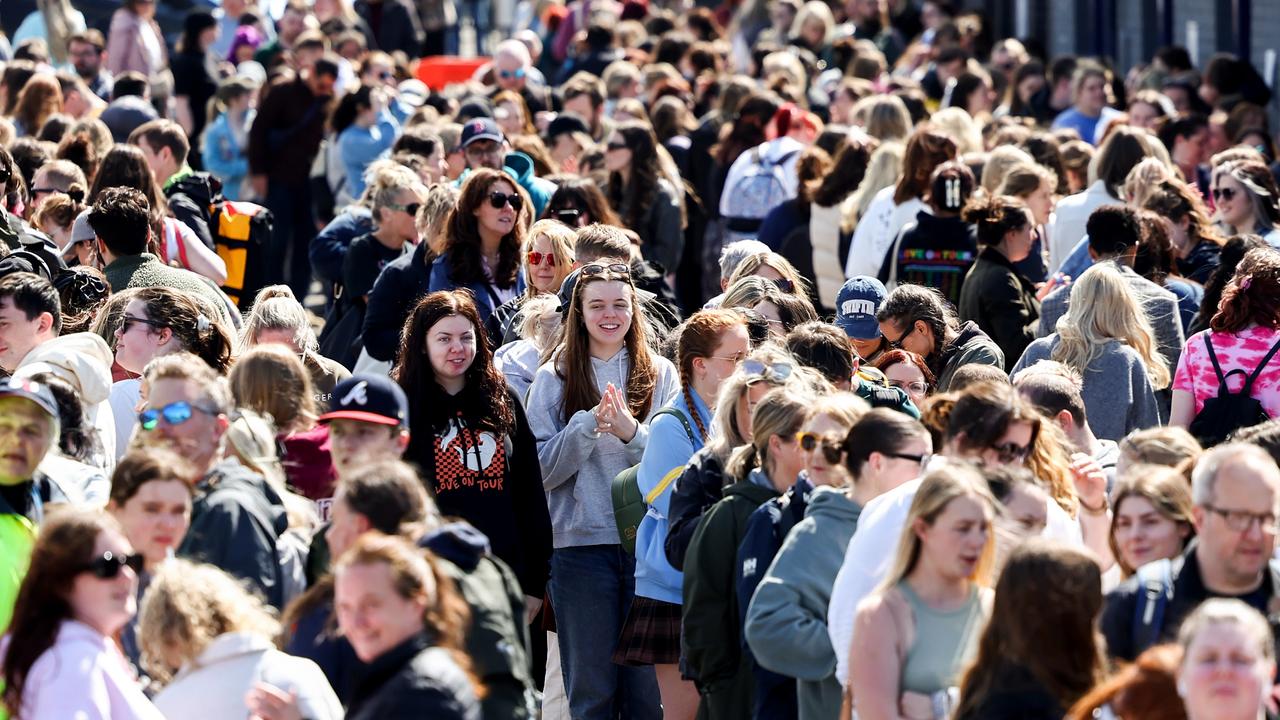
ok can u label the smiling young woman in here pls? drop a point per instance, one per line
(589, 408)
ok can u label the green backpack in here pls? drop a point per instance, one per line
(629, 504)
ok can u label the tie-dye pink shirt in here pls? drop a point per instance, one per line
(1236, 351)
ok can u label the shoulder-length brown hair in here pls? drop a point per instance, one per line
(63, 549)
(1168, 492)
(270, 379)
(926, 149)
(484, 398)
(1047, 603)
(1253, 295)
(40, 98)
(573, 356)
(462, 232)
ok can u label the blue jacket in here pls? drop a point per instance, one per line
(358, 146)
(520, 166)
(665, 457)
(329, 247)
(224, 157)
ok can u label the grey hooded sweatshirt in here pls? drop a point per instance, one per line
(578, 464)
(787, 620)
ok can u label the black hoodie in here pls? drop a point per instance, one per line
(493, 483)
(936, 252)
(189, 198)
(235, 522)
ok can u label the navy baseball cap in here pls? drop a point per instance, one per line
(856, 307)
(36, 392)
(481, 128)
(369, 398)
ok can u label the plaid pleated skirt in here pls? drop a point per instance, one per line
(650, 635)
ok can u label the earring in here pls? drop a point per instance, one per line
(1182, 688)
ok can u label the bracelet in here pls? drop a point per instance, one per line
(1100, 510)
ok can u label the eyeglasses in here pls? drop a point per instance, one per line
(1009, 453)
(915, 386)
(385, 75)
(43, 191)
(109, 565)
(537, 258)
(735, 359)
(475, 150)
(127, 321)
(921, 460)
(498, 200)
(1241, 520)
(616, 146)
(832, 447)
(897, 344)
(511, 74)
(595, 269)
(785, 285)
(175, 413)
(411, 208)
(1225, 193)
(777, 372)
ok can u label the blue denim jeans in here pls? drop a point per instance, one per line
(591, 591)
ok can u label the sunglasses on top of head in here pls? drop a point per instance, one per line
(498, 200)
(600, 269)
(110, 564)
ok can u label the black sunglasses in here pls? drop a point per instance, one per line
(785, 285)
(1220, 194)
(499, 200)
(1009, 453)
(127, 321)
(109, 565)
(832, 447)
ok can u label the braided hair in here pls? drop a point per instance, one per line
(699, 338)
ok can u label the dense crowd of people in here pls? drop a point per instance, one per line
(710, 360)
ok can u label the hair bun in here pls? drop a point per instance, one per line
(76, 193)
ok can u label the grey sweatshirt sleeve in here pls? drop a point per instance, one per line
(1145, 411)
(562, 448)
(785, 635)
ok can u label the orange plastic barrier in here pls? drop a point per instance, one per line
(438, 71)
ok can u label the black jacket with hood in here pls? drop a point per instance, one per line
(189, 198)
(510, 509)
(412, 680)
(700, 486)
(970, 345)
(236, 521)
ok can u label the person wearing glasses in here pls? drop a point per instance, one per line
(589, 408)
(710, 348)
(711, 628)
(547, 258)
(988, 424)
(1235, 492)
(1247, 200)
(768, 526)
(483, 238)
(59, 658)
(918, 319)
(484, 146)
(908, 372)
(159, 321)
(786, 621)
(237, 517)
(702, 482)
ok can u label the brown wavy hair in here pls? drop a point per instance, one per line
(927, 148)
(181, 312)
(462, 231)
(573, 356)
(698, 339)
(646, 169)
(1168, 492)
(1047, 602)
(484, 398)
(1176, 200)
(1253, 295)
(62, 550)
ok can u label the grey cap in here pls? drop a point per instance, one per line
(80, 232)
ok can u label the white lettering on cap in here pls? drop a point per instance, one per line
(358, 394)
(858, 307)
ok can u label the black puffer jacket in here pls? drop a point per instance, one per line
(412, 680)
(700, 486)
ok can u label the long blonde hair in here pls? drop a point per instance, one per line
(1103, 309)
(937, 490)
(883, 171)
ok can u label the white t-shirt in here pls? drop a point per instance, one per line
(871, 552)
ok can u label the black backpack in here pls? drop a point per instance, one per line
(1227, 412)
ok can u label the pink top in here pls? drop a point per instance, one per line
(1239, 351)
(84, 676)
